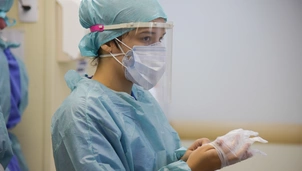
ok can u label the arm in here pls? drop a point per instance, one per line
(80, 143)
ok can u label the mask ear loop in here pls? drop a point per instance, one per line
(109, 55)
(112, 55)
(117, 54)
(119, 46)
(121, 49)
(117, 60)
(123, 44)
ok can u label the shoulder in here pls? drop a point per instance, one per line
(87, 105)
(79, 100)
(75, 111)
(82, 114)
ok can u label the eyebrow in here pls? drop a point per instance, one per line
(150, 32)
(146, 32)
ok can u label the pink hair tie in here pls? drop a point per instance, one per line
(97, 27)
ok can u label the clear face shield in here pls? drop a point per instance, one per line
(148, 50)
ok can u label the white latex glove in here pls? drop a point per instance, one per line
(235, 146)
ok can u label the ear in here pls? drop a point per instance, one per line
(106, 48)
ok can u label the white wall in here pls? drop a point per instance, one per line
(237, 60)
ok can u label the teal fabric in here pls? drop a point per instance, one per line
(18, 152)
(22, 106)
(109, 12)
(4, 80)
(6, 152)
(97, 128)
(5, 95)
(24, 86)
(5, 6)
(10, 145)
(5, 86)
(8, 44)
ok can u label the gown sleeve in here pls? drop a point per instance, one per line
(177, 165)
(6, 152)
(81, 142)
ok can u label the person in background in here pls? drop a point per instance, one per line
(14, 89)
(111, 121)
(6, 152)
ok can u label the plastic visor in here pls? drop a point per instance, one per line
(144, 34)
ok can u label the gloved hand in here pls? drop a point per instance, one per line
(235, 146)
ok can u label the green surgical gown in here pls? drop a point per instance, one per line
(97, 129)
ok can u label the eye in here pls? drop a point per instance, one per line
(147, 39)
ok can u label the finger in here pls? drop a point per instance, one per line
(246, 155)
(258, 139)
(249, 154)
(198, 143)
(240, 154)
(219, 141)
(206, 147)
(203, 141)
(249, 133)
(231, 144)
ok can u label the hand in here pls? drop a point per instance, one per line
(194, 146)
(204, 158)
(235, 146)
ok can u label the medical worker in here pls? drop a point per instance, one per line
(111, 121)
(14, 89)
(6, 151)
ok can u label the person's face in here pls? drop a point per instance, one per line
(136, 37)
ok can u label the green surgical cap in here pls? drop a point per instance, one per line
(5, 5)
(109, 12)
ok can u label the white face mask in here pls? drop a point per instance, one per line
(145, 65)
